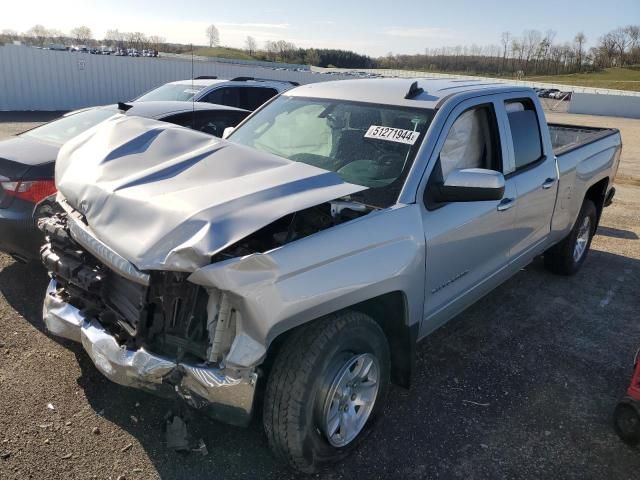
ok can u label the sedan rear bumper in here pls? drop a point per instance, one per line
(18, 232)
(221, 396)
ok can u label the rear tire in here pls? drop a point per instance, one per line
(566, 257)
(326, 390)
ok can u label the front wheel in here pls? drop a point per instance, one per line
(567, 257)
(326, 388)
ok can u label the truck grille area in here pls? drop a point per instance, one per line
(169, 317)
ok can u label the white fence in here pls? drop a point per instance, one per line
(615, 105)
(34, 79)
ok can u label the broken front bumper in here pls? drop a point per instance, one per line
(223, 397)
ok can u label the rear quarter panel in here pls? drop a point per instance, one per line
(579, 169)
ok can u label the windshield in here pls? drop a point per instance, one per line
(171, 91)
(366, 144)
(65, 128)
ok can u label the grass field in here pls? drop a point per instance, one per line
(617, 78)
(223, 52)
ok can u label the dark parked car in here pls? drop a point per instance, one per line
(27, 161)
(547, 93)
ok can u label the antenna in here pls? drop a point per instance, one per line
(193, 98)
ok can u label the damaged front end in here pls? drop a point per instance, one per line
(151, 331)
(145, 207)
(159, 330)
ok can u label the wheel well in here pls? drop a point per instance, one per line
(390, 312)
(596, 193)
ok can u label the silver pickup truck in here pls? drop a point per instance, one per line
(300, 260)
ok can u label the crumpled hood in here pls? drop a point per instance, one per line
(168, 198)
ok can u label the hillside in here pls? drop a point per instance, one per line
(223, 52)
(617, 78)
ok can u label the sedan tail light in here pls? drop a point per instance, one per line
(32, 190)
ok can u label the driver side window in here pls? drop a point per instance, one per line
(472, 142)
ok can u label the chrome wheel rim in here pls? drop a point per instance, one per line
(582, 240)
(350, 399)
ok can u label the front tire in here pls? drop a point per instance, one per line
(567, 257)
(326, 389)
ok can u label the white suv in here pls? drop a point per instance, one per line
(241, 92)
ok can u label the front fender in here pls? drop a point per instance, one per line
(331, 270)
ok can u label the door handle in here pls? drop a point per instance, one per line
(548, 183)
(506, 204)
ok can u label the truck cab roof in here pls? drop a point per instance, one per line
(417, 93)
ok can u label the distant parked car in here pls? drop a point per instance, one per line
(242, 92)
(57, 46)
(562, 95)
(27, 161)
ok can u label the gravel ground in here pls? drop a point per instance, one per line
(522, 385)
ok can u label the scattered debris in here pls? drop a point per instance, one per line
(137, 404)
(68, 424)
(137, 470)
(95, 431)
(133, 418)
(45, 425)
(50, 406)
(67, 456)
(5, 455)
(476, 403)
(126, 447)
(46, 441)
(201, 449)
(484, 445)
(121, 477)
(176, 433)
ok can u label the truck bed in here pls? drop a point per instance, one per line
(565, 138)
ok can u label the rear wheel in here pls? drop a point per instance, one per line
(567, 257)
(326, 388)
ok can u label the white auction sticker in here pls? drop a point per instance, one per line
(392, 134)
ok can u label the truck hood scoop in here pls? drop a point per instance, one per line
(168, 198)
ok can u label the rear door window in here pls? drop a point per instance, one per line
(525, 132)
(229, 96)
(254, 97)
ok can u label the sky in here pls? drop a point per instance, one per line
(373, 27)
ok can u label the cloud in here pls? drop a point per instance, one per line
(324, 22)
(428, 32)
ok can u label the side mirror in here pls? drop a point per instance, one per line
(227, 131)
(470, 185)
